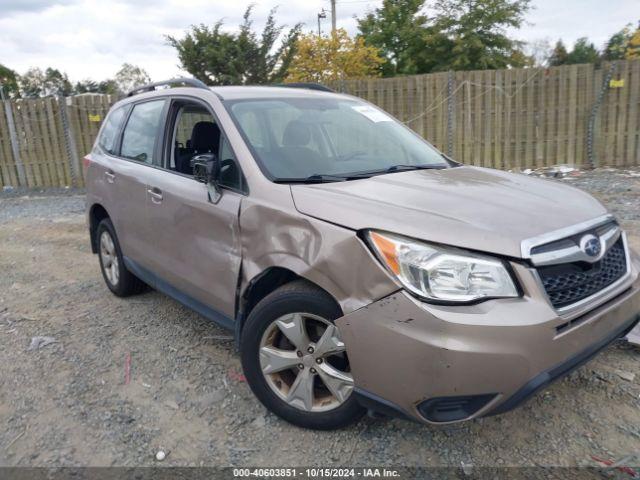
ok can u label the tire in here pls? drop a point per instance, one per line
(119, 280)
(328, 408)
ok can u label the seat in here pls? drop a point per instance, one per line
(205, 138)
(299, 159)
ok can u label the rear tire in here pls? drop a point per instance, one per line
(317, 359)
(120, 281)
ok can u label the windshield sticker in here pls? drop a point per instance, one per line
(372, 114)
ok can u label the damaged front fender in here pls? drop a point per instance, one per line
(332, 257)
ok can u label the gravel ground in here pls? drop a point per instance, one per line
(67, 403)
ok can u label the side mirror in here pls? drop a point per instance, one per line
(206, 168)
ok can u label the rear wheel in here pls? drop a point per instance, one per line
(119, 280)
(295, 361)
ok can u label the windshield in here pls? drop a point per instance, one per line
(333, 138)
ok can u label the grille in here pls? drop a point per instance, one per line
(571, 282)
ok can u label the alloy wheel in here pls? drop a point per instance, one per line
(304, 362)
(109, 257)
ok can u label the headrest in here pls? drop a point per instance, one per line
(296, 134)
(205, 136)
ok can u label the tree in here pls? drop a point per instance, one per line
(559, 55)
(632, 51)
(223, 58)
(131, 76)
(333, 57)
(616, 46)
(399, 31)
(9, 82)
(539, 52)
(32, 83)
(476, 30)
(583, 52)
(462, 35)
(52, 82)
(91, 86)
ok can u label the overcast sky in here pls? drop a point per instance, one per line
(92, 38)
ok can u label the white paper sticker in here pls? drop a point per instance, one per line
(372, 114)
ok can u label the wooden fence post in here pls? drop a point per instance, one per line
(450, 112)
(13, 138)
(70, 143)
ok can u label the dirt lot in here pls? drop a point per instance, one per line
(67, 403)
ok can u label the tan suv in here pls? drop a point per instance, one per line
(359, 267)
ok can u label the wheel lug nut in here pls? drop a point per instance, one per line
(313, 370)
(301, 366)
(310, 349)
(318, 360)
(299, 353)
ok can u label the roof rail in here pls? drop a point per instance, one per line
(191, 82)
(310, 86)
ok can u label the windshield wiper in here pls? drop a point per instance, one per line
(398, 168)
(402, 168)
(315, 178)
(328, 178)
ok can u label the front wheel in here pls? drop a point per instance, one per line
(295, 361)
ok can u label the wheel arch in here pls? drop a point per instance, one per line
(97, 213)
(262, 285)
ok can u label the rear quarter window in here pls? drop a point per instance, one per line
(108, 139)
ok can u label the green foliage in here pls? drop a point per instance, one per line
(9, 82)
(325, 59)
(616, 46)
(223, 58)
(131, 76)
(109, 87)
(476, 31)
(559, 55)
(400, 32)
(583, 52)
(462, 35)
(52, 82)
(632, 52)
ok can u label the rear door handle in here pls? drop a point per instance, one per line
(110, 176)
(156, 194)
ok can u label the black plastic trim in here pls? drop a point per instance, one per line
(163, 286)
(379, 405)
(308, 85)
(545, 378)
(149, 87)
(453, 409)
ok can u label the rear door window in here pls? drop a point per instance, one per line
(141, 132)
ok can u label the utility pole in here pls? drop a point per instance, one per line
(333, 16)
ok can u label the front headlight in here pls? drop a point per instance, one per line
(442, 274)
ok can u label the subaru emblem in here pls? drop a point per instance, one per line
(590, 245)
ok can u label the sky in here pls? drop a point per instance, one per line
(91, 39)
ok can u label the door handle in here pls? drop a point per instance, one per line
(156, 194)
(110, 176)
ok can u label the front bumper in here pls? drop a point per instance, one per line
(442, 364)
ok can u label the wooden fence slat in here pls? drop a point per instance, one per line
(633, 140)
(7, 162)
(623, 102)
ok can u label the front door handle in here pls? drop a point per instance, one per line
(110, 176)
(156, 194)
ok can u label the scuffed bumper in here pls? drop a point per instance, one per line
(440, 364)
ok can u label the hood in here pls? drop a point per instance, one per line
(468, 207)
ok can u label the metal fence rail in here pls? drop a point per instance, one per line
(582, 115)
